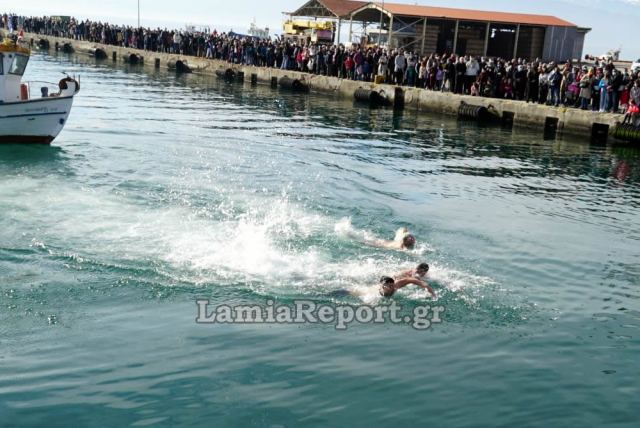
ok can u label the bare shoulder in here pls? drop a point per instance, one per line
(405, 274)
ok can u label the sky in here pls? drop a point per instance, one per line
(614, 23)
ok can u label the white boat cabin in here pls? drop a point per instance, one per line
(14, 57)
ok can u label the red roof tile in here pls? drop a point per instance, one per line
(339, 8)
(473, 15)
(342, 7)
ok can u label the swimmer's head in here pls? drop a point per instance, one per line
(422, 269)
(386, 280)
(386, 286)
(409, 241)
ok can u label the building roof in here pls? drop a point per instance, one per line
(328, 8)
(471, 15)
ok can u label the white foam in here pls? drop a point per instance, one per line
(263, 247)
(456, 280)
(345, 230)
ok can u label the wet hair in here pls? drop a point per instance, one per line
(386, 288)
(409, 241)
(423, 267)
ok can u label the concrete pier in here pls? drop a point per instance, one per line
(564, 120)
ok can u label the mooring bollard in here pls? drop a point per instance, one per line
(97, 53)
(550, 128)
(157, 63)
(254, 79)
(274, 82)
(507, 119)
(227, 74)
(398, 99)
(240, 76)
(373, 98)
(114, 56)
(293, 84)
(599, 133)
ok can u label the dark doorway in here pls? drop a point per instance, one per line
(446, 32)
(502, 39)
(461, 47)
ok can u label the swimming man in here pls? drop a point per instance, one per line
(419, 272)
(402, 241)
(388, 286)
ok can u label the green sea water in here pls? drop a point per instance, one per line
(164, 189)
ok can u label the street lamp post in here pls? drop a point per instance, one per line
(138, 13)
(380, 29)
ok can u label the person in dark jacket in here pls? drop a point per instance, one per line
(532, 83)
(613, 91)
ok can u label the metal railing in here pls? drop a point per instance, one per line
(44, 89)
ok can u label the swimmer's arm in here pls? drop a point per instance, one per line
(400, 234)
(381, 243)
(406, 281)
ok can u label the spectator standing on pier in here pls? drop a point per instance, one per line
(624, 91)
(471, 73)
(532, 83)
(348, 67)
(595, 90)
(520, 78)
(439, 77)
(543, 85)
(423, 75)
(586, 85)
(604, 95)
(400, 63)
(615, 86)
(449, 76)
(634, 93)
(461, 72)
(555, 80)
(383, 66)
(411, 71)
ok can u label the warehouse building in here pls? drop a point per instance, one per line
(428, 29)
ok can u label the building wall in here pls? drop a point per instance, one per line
(530, 42)
(559, 43)
(431, 40)
(578, 46)
(471, 37)
(534, 42)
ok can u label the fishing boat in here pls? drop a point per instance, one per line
(23, 118)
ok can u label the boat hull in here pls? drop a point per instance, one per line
(37, 121)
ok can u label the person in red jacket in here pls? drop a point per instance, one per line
(633, 112)
(348, 66)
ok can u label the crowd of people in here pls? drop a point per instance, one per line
(598, 87)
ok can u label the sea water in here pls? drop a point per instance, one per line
(165, 189)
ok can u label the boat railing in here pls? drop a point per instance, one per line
(39, 89)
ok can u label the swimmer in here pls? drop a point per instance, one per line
(419, 272)
(402, 241)
(388, 286)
